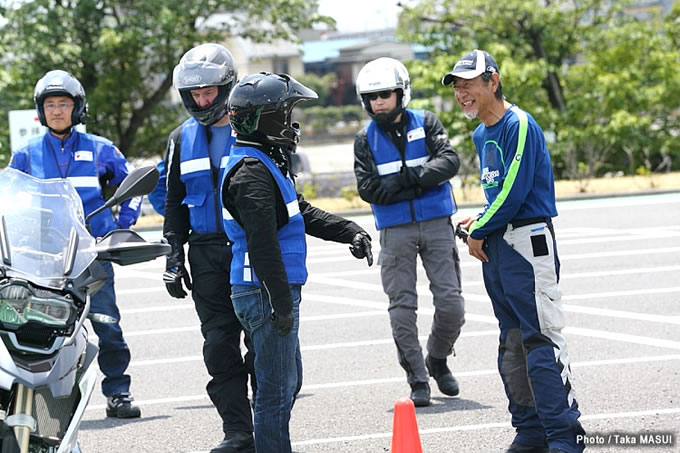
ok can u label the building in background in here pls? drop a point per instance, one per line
(344, 54)
(279, 56)
(649, 9)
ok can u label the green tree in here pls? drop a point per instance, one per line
(579, 67)
(622, 100)
(124, 53)
(322, 85)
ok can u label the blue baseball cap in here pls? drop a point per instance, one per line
(471, 65)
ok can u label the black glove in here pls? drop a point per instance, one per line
(461, 233)
(391, 183)
(361, 247)
(409, 176)
(283, 323)
(176, 256)
(173, 281)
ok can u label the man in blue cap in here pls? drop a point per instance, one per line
(515, 240)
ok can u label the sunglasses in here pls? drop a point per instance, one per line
(382, 94)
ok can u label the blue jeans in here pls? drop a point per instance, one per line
(114, 354)
(278, 366)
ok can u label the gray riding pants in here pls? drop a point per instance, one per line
(400, 245)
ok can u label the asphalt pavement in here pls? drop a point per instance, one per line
(621, 286)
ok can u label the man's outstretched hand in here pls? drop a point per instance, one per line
(361, 247)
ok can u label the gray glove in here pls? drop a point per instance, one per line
(361, 247)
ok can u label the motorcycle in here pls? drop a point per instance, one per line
(49, 269)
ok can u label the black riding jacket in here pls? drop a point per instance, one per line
(254, 200)
(412, 181)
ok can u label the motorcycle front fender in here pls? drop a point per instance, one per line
(58, 373)
(86, 385)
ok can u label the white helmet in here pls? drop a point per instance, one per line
(380, 75)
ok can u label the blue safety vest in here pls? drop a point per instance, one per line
(196, 174)
(157, 196)
(434, 203)
(291, 235)
(82, 172)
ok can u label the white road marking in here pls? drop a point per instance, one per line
(317, 347)
(664, 319)
(484, 426)
(627, 252)
(140, 333)
(149, 289)
(380, 309)
(626, 338)
(632, 292)
(622, 201)
(573, 275)
(576, 256)
(636, 339)
(157, 308)
(380, 381)
(134, 272)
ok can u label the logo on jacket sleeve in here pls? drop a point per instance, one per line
(415, 134)
(83, 155)
(489, 177)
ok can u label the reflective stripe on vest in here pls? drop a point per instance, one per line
(394, 167)
(84, 181)
(194, 165)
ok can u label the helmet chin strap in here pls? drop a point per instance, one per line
(279, 154)
(384, 119)
(66, 131)
(218, 117)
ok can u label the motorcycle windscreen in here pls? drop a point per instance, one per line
(42, 231)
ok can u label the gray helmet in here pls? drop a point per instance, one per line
(60, 83)
(261, 106)
(204, 66)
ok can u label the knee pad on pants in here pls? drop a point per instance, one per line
(513, 368)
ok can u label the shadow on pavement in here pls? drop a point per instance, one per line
(442, 404)
(110, 422)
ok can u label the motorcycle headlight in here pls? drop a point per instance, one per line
(20, 304)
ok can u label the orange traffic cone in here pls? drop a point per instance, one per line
(405, 437)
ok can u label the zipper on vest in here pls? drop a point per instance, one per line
(411, 207)
(216, 200)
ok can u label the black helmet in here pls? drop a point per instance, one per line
(260, 108)
(204, 66)
(60, 83)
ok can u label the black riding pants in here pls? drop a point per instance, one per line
(228, 390)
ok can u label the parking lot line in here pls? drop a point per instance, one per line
(387, 380)
(483, 426)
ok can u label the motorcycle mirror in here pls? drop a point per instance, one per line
(140, 181)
